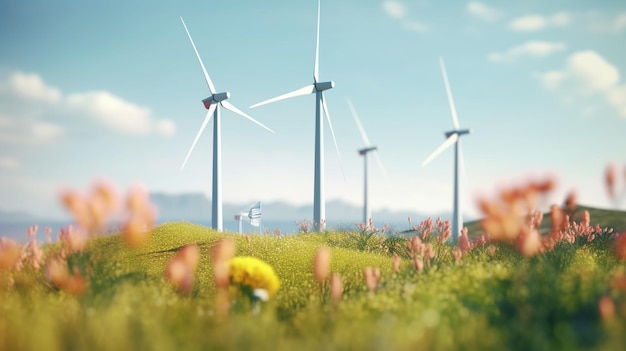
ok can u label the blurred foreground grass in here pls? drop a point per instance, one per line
(493, 298)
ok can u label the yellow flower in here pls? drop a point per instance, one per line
(253, 273)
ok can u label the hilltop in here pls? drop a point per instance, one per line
(604, 217)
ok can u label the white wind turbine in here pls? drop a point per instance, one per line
(452, 137)
(367, 213)
(213, 104)
(319, 207)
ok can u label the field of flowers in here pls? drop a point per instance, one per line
(527, 284)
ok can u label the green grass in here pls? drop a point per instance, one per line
(494, 302)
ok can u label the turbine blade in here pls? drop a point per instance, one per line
(317, 46)
(358, 123)
(455, 119)
(380, 164)
(227, 105)
(332, 133)
(309, 89)
(204, 123)
(206, 75)
(446, 144)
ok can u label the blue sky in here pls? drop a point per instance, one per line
(113, 90)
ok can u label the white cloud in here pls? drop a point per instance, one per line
(620, 22)
(398, 11)
(28, 91)
(394, 9)
(46, 131)
(602, 22)
(28, 131)
(9, 163)
(165, 127)
(532, 49)
(31, 87)
(551, 79)
(537, 22)
(589, 73)
(528, 23)
(592, 71)
(561, 19)
(616, 96)
(112, 111)
(482, 11)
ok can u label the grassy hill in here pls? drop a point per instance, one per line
(491, 298)
(605, 218)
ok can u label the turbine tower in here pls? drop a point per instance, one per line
(213, 104)
(452, 137)
(367, 213)
(318, 87)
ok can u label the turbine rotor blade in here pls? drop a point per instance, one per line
(332, 133)
(455, 119)
(206, 75)
(204, 123)
(317, 46)
(358, 123)
(446, 144)
(227, 105)
(309, 89)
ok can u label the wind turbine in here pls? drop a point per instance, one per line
(452, 137)
(239, 217)
(319, 206)
(367, 213)
(213, 104)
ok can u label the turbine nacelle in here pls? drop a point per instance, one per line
(459, 132)
(324, 86)
(364, 151)
(218, 97)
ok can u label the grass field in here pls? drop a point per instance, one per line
(511, 282)
(571, 297)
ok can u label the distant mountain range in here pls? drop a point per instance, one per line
(16, 216)
(195, 207)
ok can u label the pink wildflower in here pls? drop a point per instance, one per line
(418, 264)
(395, 267)
(73, 240)
(321, 264)
(221, 252)
(529, 243)
(180, 275)
(464, 243)
(336, 288)
(570, 202)
(586, 220)
(142, 216)
(32, 231)
(606, 308)
(372, 277)
(9, 253)
(609, 180)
